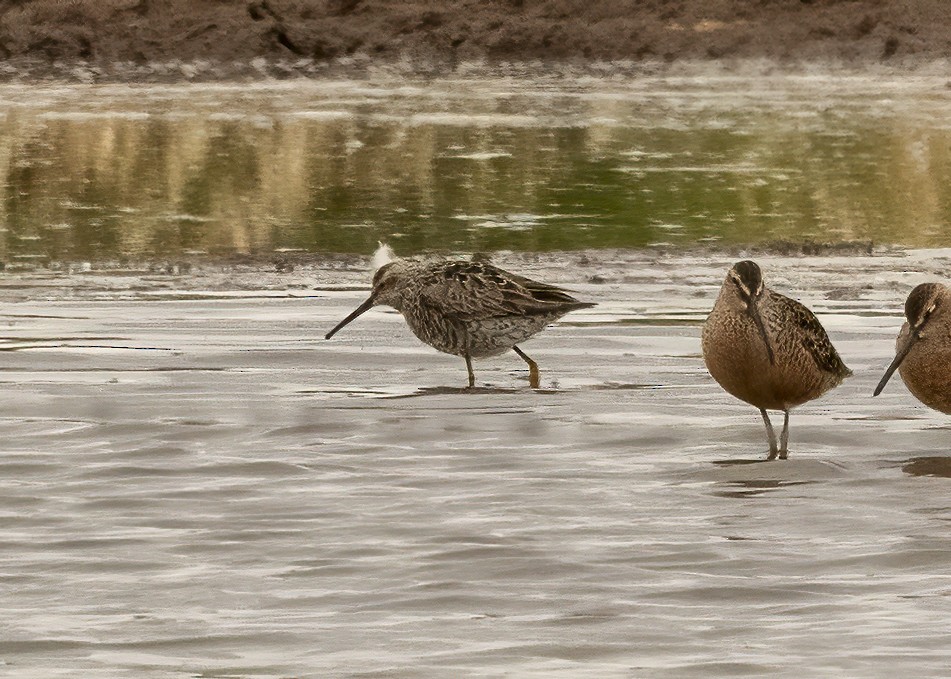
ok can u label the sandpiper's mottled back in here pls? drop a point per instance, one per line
(467, 308)
(923, 348)
(768, 350)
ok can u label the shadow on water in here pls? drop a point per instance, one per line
(928, 466)
(347, 391)
(469, 391)
(743, 478)
(752, 488)
(621, 386)
(396, 392)
(735, 462)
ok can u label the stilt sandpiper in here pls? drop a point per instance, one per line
(467, 308)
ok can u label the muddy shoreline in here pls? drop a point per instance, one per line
(135, 40)
(289, 261)
(844, 271)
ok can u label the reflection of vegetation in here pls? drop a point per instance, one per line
(115, 187)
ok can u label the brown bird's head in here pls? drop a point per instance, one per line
(745, 281)
(923, 303)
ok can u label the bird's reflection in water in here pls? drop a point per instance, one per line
(928, 466)
(752, 488)
(453, 391)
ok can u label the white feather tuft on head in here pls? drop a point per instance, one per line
(383, 255)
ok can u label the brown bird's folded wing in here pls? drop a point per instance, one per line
(814, 338)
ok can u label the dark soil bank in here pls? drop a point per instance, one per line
(56, 35)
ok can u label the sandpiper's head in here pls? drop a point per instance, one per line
(388, 283)
(745, 283)
(923, 304)
(388, 288)
(748, 279)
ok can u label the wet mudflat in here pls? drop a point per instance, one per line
(194, 484)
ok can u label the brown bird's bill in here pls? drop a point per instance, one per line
(899, 357)
(754, 313)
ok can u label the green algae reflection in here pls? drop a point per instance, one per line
(99, 173)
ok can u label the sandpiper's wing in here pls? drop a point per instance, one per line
(813, 336)
(474, 290)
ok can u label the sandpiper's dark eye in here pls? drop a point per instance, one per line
(741, 288)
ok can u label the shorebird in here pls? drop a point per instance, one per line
(923, 347)
(467, 308)
(768, 350)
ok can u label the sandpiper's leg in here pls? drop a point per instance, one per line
(469, 369)
(533, 380)
(770, 435)
(784, 437)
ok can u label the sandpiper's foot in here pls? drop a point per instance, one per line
(534, 378)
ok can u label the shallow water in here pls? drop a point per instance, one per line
(194, 484)
(95, 173)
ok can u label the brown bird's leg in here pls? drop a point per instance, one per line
(770, 435)
(784, 437)
(469, 368)
(533, 379)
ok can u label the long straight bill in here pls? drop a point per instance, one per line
(754, 312)
(363, 308)
(899, 357)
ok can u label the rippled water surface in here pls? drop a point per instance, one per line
(193, 483)
(113, 172)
